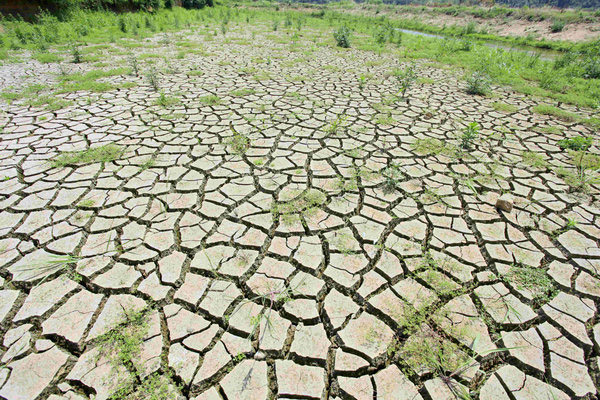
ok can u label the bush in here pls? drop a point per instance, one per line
(197, 3)
(557, 26)
(342, 37)
(577, 143)
(478, 84)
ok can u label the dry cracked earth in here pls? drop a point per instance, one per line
(295, 240)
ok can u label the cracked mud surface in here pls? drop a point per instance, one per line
(285, 267)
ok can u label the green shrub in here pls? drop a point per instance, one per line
(576, 143)
(557, 26)
(469, 135)
(197, 3)
(342, 37)
(478, 84)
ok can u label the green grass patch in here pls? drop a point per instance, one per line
(47, 58)
(545, 109)
(242, 92)
(210, 100)
(106, 153)
(504, 107)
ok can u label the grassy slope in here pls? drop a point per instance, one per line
(525, 74)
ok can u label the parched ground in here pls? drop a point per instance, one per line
(305, 236)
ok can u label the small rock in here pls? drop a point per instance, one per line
(505, 203)
(260, 356)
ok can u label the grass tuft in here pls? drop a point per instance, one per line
(106, 153)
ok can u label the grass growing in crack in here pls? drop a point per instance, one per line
(534, 160)
(504, 107)
(153, 80)
(392, 178)
(431, 146)
(305, 204)
(47, 58)
(586, 164)
(149, 163)
(561, 114)
(428, 351)
(166, 101)
(210, 100)
(158, 386)
(406, 78)
(336, 126)
(122, 347)
(51, 265)
(469, 135)
(242, 92)
(268, 301)
(106, 153)
(532, 279)
(577, 143)
(86, 203)
(238, 143)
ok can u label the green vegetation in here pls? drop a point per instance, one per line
(503, 107)
(546, 109)
(242, 92)
(342, 36)
(430, 146)
(576, 143)
(478, 84)
(166, 101)
(469, 135)
(572, 78)
(122, 346)
(238, 143)
(47, 58)
(406, 78)
(106, 153)
(534, 160)
(533, 280)
(51, 265)
(304, 204)
(210, 100)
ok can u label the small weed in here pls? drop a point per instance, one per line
(557, 26)
(392, 176)
(149, 163)
(478, 84)
(362, 80)
(336, 126)
(133, 63)
(238, 143)
(166, 101)
(76, 54)
(86, 203)
(469, 135)
(152, 78)
(577, 143)
(406, 78)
